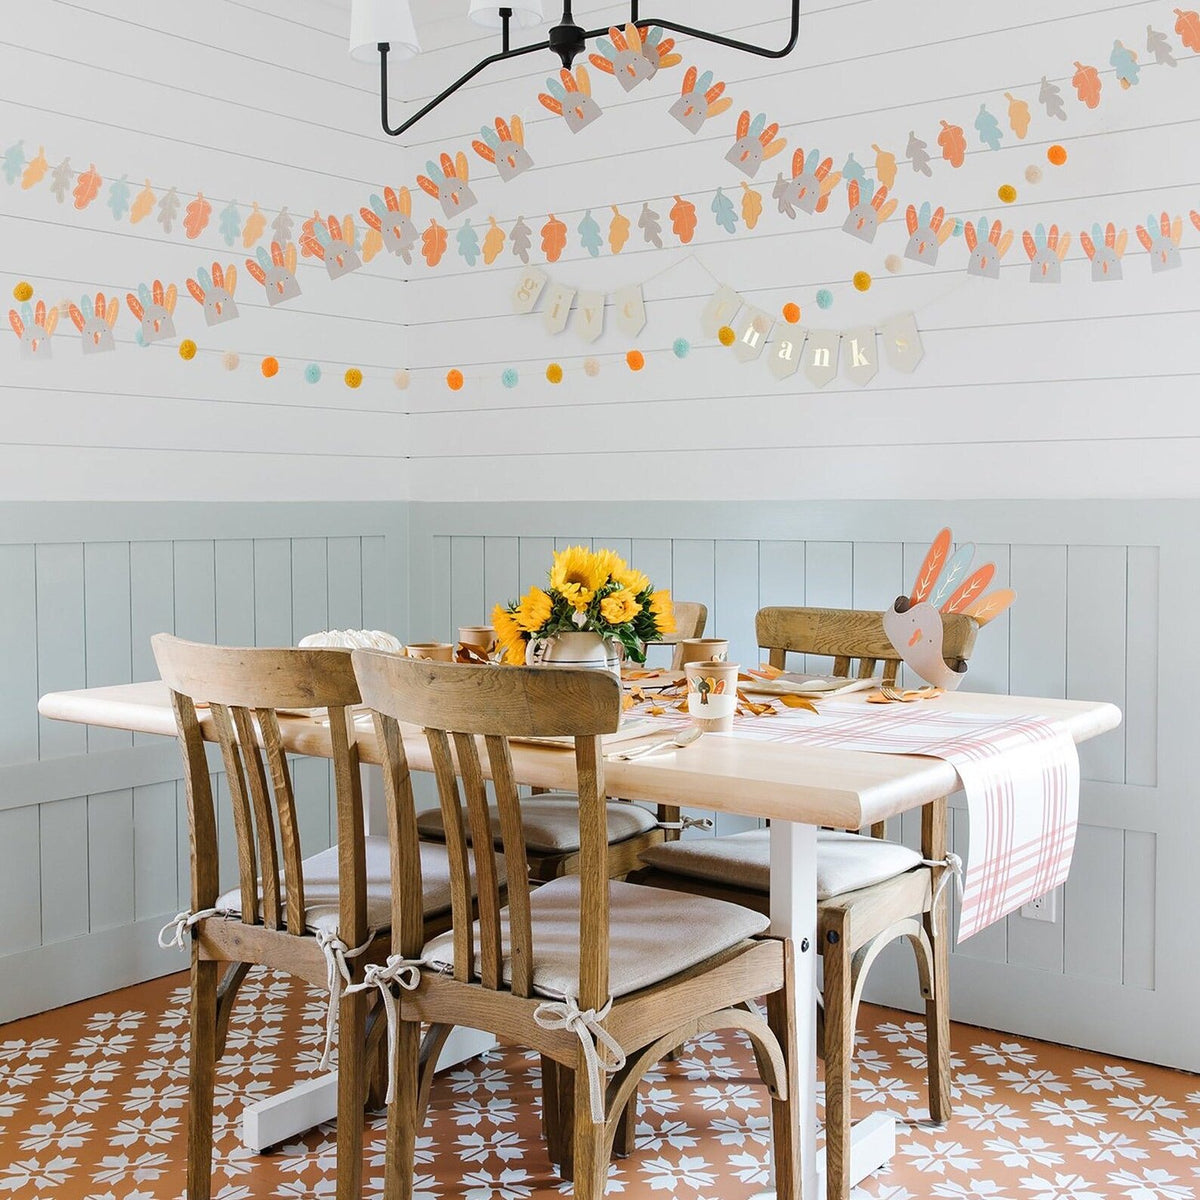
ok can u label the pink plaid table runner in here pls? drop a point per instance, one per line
(1020, 776)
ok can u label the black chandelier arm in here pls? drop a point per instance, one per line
(507, 53)
(720, 39)
(500, 56)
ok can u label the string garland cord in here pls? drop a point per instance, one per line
(601, 1051)
(404, 973)
(337, 978)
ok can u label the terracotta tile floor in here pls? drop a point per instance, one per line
(92, 1105)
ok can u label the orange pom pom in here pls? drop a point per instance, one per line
(554, 373)
(354, 377)
(187, 349)
(454, 379)
(791, 313)
(23, 291)
(726, 336)
(636, 360)
(861, 280)
(270, 367)
(1007, 193)
(1057, 155)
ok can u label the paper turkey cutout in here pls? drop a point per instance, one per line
(946, 584)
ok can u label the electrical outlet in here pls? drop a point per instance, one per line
(1043, 909)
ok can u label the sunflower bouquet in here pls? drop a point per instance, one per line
(589, 592)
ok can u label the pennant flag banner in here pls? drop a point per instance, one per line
(820, 353)
(583, 312)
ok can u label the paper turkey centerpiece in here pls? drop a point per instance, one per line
(945, 584)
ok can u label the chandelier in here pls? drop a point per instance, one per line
(386, 27)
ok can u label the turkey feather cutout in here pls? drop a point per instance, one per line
(945, 584)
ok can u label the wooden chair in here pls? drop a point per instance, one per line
(598, 976)
(325, 918)
(870, 891)
(551, 819)
(690, 620)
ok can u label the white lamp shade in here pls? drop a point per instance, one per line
(375, 21)
(524, 13)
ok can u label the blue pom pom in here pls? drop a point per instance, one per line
(510, 378)
(824, 298)
(312, 373)
(682, 347)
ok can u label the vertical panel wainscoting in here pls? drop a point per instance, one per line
(93, 822)
(1103, 591)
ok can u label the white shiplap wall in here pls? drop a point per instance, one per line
(1077, 390)
(246, 102)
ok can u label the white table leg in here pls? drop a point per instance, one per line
(794, 915)
(314, 1101)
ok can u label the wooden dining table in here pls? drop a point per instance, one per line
(799, 788)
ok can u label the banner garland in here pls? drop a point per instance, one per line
(334, 241)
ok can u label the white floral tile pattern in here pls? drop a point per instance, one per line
(93, 1106)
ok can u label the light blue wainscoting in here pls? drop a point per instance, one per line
(1105, 611)
(93, 822)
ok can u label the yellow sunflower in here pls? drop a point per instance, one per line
(664, 612)
(577, 574)
(620, 607)
(608, 564)
(631, 578)
(534, 610)
(508, 634)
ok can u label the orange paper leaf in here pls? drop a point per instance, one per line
(87, 187)
(143, 204)
(797, 702)
(554, 238)
(493, 242)
(256, 224)
(1188, 28)
(618, 231)
(1086, 82)
(196, 217)
(752, 205)
(683, 219)
(433, 243)
(989, 607)
(35, 169)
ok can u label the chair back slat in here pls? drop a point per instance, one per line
(593, 874)
(847, 634)
(232, 753)
(458, 851)
(408, 926)
(491, 956)
(456, 704)
(690, 620)
(202, 811)
(289, 822)
(352, 851)
(520, 932)
(243, 688)
(264, 824)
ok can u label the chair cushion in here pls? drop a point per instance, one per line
(321, 886)
(551, 822)
(653, 935)
(845, 861)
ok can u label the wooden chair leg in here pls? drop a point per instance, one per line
(552, 1111)
(839, 1050)
(404, 1115)
(625, 1142)
(785, 1114)
(226, 997)
(202, 1065)
(591, 1157)
(937, 1016)
(376, 1060)
(352, 1033)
